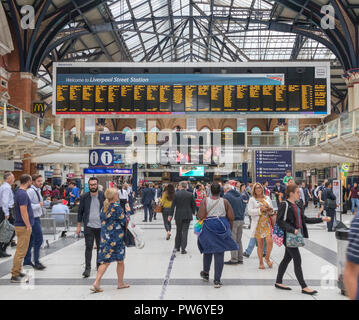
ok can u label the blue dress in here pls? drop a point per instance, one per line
(113, 224)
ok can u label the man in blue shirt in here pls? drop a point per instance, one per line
(75, 193)
(351, 273)
(24, 220)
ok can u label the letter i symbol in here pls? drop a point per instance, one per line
(94, 157)
(106, 157)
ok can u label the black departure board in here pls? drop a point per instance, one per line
(204, 98)
(101, 98)
(139, 98)
(268, 93)
(229, 98)
(153, 102)
(280, 98)
(165, 98)
(294, 97)
(190, 98)
(75, 99)
(216, 98)
(113, 98)
(88, 98)
(242, 96)
(307, 98)
(62, 98)
(178, 99)
(126, 98)
(255, 102)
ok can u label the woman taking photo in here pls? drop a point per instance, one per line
(260, 208)
(216, 236)
(112, 246)
(296, 221)
(166, 202)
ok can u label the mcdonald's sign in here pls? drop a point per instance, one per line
(38, 107)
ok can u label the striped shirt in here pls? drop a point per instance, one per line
(353, 246)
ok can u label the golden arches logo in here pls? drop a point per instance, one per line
(38, 108)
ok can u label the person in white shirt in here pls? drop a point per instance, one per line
(37, 205)
(123, 197)
(6, 207)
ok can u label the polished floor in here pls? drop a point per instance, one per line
(156, 272)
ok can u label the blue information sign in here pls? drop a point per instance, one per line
(101, 158)
(113, 138)
(108, 171)
(271, 165)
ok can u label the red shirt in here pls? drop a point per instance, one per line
(354, 192)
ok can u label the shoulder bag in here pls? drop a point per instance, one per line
(278, 233)
(295, 240)
(43, 209)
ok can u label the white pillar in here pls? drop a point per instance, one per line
(78, 127)
(77, 170)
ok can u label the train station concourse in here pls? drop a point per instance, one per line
(187, 150)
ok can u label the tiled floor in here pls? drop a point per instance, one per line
(146, 271)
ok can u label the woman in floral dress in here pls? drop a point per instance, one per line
(112, 246)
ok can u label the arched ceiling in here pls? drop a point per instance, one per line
(183, 30)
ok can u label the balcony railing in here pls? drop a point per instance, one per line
(15, 118)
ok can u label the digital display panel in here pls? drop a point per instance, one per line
(267, 89)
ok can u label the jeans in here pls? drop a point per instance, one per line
(165, 213)
(36, 240)
(91, 235)
(291, 253)
(355, 202)
(218, 264)
(182, 234)
(252, 244)
(148, 209)
(237, 230)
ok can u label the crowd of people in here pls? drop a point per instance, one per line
(218, 209)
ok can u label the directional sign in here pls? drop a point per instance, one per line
(101, 158)
(345, 166)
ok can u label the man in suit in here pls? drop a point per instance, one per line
(148, 195)
(185, 206)
(91, 204)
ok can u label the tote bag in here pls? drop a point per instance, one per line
(295, 240)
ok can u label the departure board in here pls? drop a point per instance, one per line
(229, 99)
(75, 99)
(216, 98)
(178, 99)
(88, 98)
(126, 98)
(101, 99)
(268, 94)
(204, 98)
(113, 98)
(242, 97)
(62, 98)
(165, 98)
(280, 98)
(294, 97)
(199, 89)
(307, 98)
(153, 102)
(255, 102)
(190, 98)
(139, 98)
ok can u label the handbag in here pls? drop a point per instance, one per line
(295, 240)
(129, 239)
(158, 208)
(278, 233)
(199, 225)
(331, 204)
(6, 231)
(137, 234)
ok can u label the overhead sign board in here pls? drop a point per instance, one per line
(101, 158)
